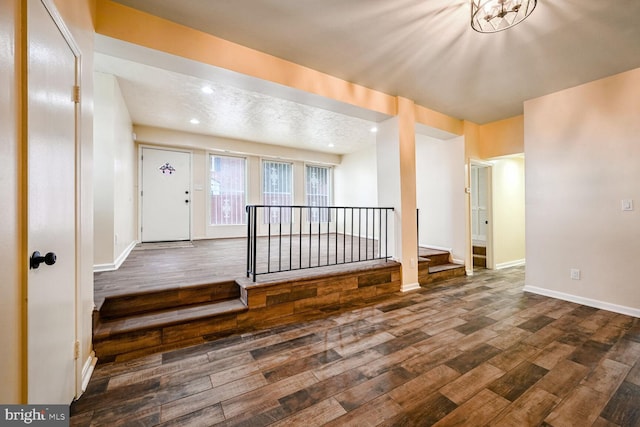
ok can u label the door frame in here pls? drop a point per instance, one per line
(489, 241)
(139, 186)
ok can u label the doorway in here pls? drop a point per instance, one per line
(165, 198)
(481, 224)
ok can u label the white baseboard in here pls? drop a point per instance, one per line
(629, 311)
(87, 369)
(439, 248)
(118, 262)
(508, 264)
(410, 287)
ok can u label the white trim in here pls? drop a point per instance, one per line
(410, 287)
(629, 311)
(508, 264)
(118, 262)
(457, 261)
(87, 370)
(469, 272)
(438, 248)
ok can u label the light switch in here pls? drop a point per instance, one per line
(627, 205)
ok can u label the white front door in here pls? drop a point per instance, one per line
(51, 174)
(166, 195)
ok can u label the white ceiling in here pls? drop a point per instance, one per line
(419, 49)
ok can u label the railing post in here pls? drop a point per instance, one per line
(254, 255)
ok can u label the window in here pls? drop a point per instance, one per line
(318, 191)
(277, 189)
(228, 184)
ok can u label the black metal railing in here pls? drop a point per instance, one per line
(285, 238)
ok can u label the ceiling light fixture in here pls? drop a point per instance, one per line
(491, 16)
(194, 121)
(207, 90)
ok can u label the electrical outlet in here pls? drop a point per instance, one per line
(575, 274)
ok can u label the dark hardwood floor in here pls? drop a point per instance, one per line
(470, 351)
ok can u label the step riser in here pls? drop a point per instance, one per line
(439, 259)
(131, 305)
(444, 275)
(160, 338)
(479, 261)
(479, 250)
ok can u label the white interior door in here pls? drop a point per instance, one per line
(51, 306)
(479, 217)
(166, 195)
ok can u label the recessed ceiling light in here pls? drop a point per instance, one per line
(207, 90)
(374, 129)
(194, 121)
(331, 145)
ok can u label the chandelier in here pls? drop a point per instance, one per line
(490, 16)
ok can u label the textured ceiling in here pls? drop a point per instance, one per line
(167, 99)
(419, 49)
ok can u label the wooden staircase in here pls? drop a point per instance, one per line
(479, 256)
(137, 324)
(146, 322)
(435, 265)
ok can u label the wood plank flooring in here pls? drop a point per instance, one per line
(470, 351)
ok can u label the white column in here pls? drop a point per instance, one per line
(396, 157)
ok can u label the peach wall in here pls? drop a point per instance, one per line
(583, 158)
(124, 23)
(502, 138)
(508, 211)
(11, 250)
(431, 118)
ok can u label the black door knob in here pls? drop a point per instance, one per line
(186, 201)
(37, 259)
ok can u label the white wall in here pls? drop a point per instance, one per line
(115, 181)
(356, 179)
(202, 145)
(508, 197)
(583, 158)
(440, 177)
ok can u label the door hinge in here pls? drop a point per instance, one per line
(76, 94)
(76, 350)
(141, 193)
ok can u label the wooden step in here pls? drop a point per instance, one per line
(136, 303)
(479, 250)
(153, 331)
(480, 261)
(444, 272)
(435, 256)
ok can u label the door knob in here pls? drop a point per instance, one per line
(36, 259)
(186, 201)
